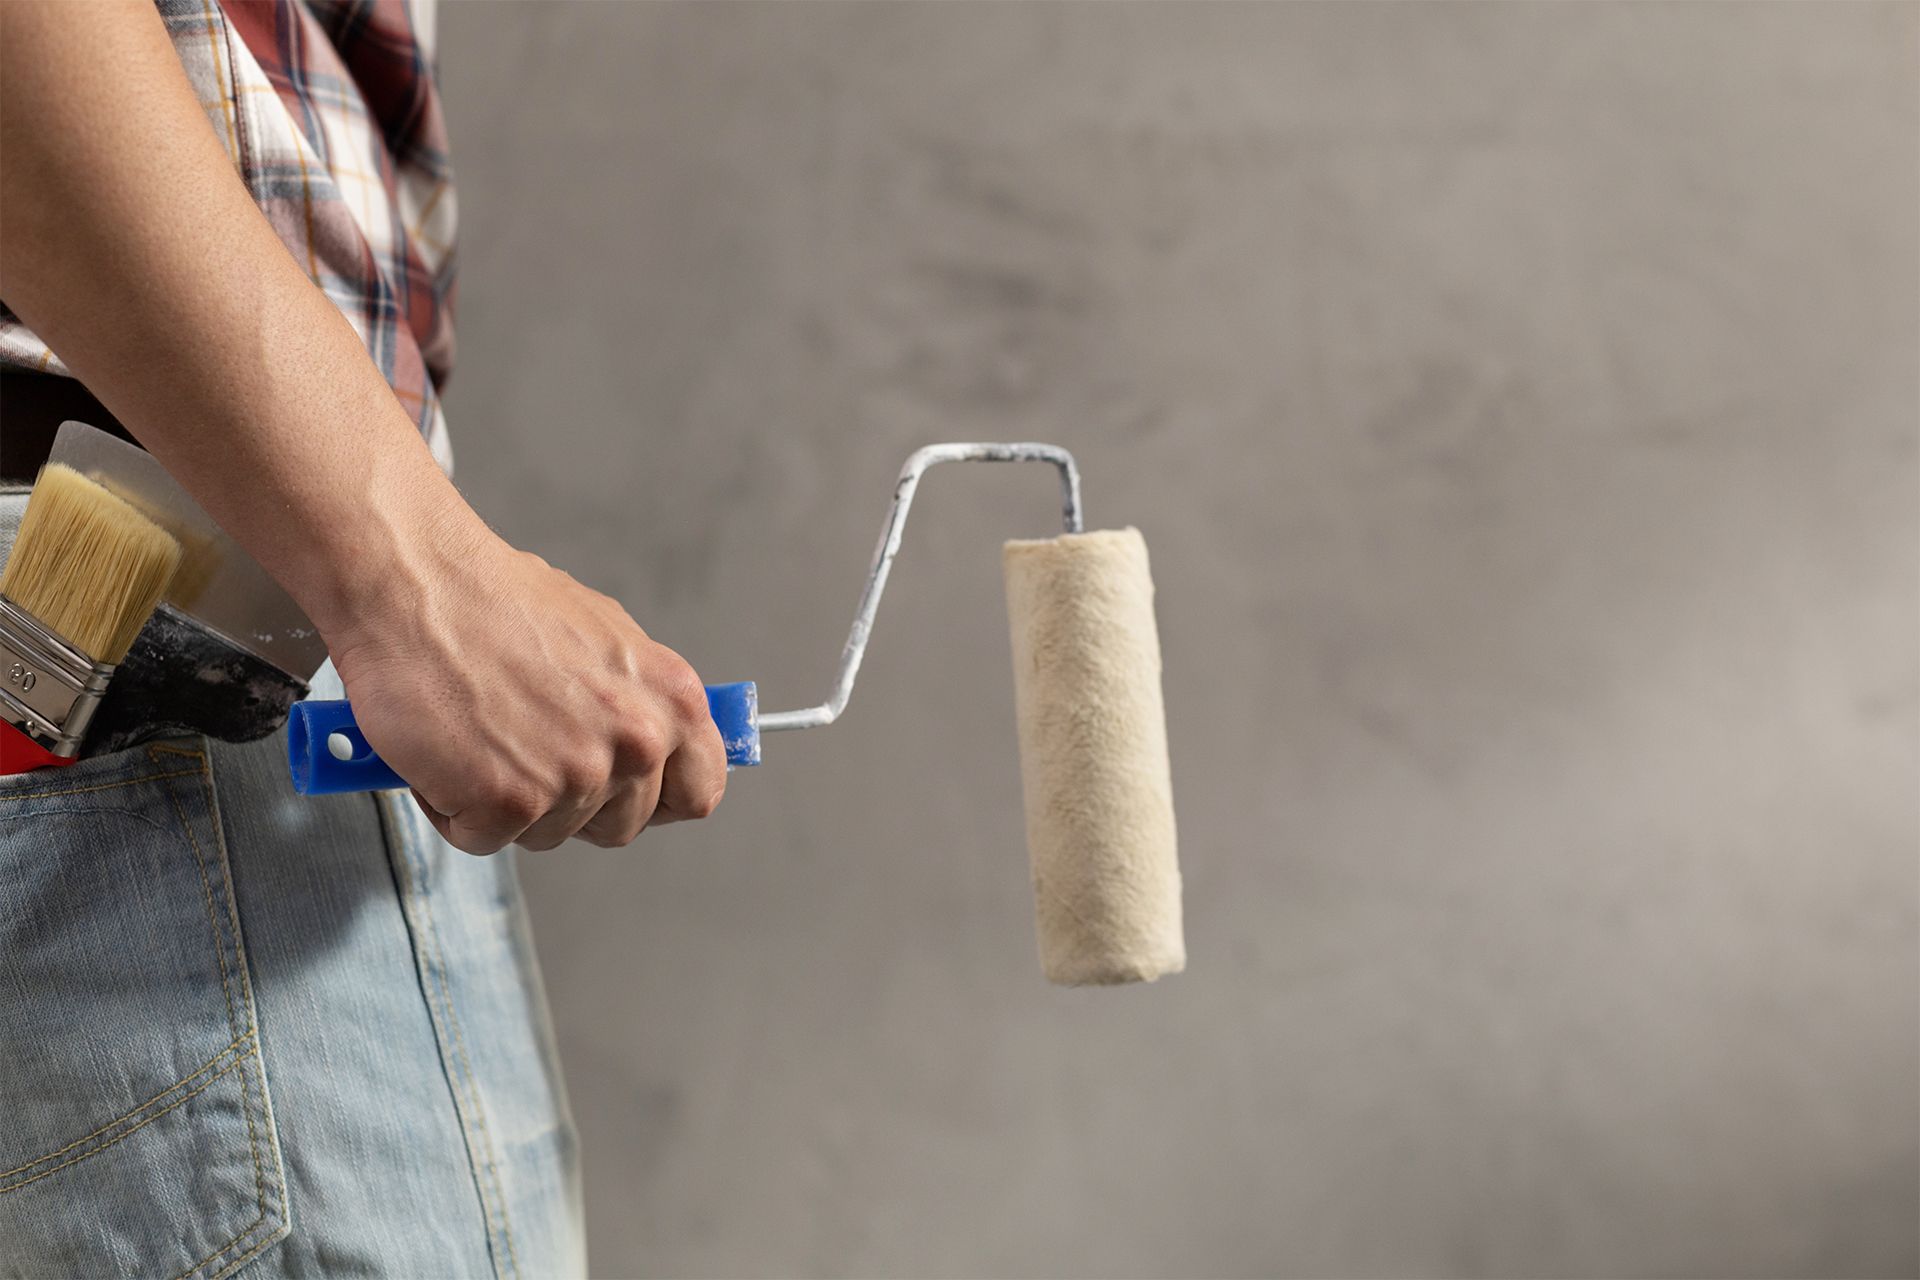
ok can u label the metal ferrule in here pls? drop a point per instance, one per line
(48, 688)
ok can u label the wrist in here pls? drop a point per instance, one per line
(386, 558)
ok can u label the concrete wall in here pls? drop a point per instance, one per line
(1520, 403)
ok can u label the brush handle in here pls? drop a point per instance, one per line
(313, 725)
(21, 754)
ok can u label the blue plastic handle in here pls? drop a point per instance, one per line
(327, 755)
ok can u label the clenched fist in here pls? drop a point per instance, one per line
(523, 707)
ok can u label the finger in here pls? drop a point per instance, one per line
(489, 828)
(695, 777)
(560, 825)
(620, 821)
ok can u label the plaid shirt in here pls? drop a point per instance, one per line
(328, 109)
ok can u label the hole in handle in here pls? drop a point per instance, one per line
(343, 747)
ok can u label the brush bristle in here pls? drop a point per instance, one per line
(87, 565)
(197, 563)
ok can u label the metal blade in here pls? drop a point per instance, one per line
(219, 584)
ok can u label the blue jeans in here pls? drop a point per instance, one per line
(245, 1031)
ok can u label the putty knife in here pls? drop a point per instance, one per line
(225, 625)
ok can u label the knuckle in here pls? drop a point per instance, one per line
(611, 832)
(704, 802)
(688, 695)
(582, 776)
(643, 745)
(517, 805)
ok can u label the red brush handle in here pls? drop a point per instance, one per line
(19, 753)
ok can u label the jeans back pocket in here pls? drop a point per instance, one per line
(136, 1132)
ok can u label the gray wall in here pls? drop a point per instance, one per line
(1520, 404)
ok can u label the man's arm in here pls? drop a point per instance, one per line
(518, 703)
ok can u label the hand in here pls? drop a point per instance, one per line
(521, 706)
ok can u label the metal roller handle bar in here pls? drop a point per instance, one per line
(327, 754)
(889, 546)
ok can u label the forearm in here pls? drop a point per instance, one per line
(129, 244)
(518, 704)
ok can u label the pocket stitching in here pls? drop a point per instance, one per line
(239, 1039)
(173, 1106)
(433, 966)
(240, 1261)
(246, 1042)
(466, 1066)
(220, 950)
(205, 1067)
(206, 892)
(104, 786)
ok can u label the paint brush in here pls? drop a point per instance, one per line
(86, 571)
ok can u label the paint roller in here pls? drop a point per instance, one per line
(1093, 757)
(1092, 730)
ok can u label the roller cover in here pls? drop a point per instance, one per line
(1093, 757)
